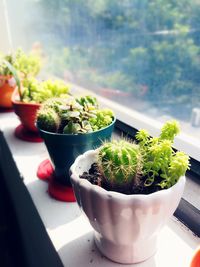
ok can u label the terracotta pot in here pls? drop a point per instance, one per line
(125, 226)
(7, 86)
(26, 112)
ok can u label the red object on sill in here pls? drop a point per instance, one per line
(22, 133)
(56, 190)
(196, 259)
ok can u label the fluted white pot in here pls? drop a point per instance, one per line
(126, 226)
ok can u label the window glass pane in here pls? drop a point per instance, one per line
(142, 54)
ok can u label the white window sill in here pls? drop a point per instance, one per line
(70, 231)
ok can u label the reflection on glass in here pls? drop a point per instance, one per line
(143, 54)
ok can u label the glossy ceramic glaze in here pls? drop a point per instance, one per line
(7, 86)
(26, 112)
(126, 226)
(64, 148)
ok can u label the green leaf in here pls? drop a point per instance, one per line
(15, 75)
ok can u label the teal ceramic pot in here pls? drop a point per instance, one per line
(64, 148)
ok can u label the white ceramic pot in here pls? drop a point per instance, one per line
(126, 226)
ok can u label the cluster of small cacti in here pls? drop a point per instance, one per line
(73, 115)
(152, 161)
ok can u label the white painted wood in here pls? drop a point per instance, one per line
(5, 36)
(70, 231)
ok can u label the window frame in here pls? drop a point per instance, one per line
(128, 122)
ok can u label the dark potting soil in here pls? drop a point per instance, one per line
(95, 177)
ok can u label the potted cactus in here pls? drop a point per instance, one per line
(32, 94)
(70, 127)
(129, 190)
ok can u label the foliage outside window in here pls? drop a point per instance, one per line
(144, 54)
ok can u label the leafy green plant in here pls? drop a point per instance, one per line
(4, 69)
(12, 70)
(152, 162)
(38, 92)
(160, 159)
(25, 64)
(76, 115)
(19, 65)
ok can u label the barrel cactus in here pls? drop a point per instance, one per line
(120, 163)
(48, 119)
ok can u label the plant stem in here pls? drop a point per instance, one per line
(15, 75)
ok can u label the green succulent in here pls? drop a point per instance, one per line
(57, 88)
(26, 64)
(87, 102)
(72, 128)
(120, 162)
(161, 164)
(76, 113)
(101, 119)
(38, 92)
(169, 130)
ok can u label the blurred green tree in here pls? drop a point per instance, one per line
(128, 45)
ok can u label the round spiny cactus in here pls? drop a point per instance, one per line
(119, 162)
(48, 120)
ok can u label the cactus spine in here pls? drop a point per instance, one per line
(119, 162)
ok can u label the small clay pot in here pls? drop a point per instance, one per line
(26, 112)
(7, 86)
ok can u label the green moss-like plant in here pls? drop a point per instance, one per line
(162, 165)
(38, 92)
(77, 115)
(152, 162)
(27, 64)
